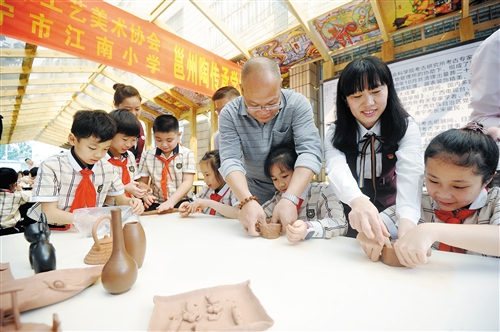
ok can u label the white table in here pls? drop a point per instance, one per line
(310, 286)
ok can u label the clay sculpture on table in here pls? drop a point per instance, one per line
(389, 256)
(191, 313)
(11, 320)
(237, 315)
(135, 241)
(42, 254)
(269, 230)
(120, 271)
(214, 307)
(101, 249)
(175, 323)
(10, 316)
(46, 288)
(237, 306)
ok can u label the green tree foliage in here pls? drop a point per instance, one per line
(18, 151)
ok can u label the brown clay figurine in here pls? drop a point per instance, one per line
(389, 256)
(269, 230)
(47, 288)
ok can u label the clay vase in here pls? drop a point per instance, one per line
(43, 254)
(120, 272)
(135, 241)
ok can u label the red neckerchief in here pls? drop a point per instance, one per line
(85, 195)
(216, 197)
(166, 169)
(300, 204)
(450, 218)
(123, 165)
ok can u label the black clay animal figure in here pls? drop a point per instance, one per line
(42, 253)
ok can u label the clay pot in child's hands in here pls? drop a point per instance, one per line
(389, 256)
(269, 230)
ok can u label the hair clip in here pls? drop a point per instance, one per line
(476, 126)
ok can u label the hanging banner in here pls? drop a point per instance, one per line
(97, 31)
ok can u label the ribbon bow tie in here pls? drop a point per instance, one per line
(368, 140)
(450, 218)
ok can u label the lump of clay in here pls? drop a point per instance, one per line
(389, 257)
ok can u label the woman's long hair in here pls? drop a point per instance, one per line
(367, 73)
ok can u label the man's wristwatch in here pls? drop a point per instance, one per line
(310, 231)
(294, 199)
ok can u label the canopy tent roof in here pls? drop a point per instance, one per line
(41, 89)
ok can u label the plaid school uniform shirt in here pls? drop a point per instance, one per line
(151, 166)
(9, 207)
(59, 176)
(228, 197)
(487, 206)
(132, 170)
(320, 206)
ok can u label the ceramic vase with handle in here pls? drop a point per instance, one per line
(135, 241)
(120, 272)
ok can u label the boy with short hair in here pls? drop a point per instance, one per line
(127, 131)
(170, 166)
(10, 201)
(79, 177)
(26, 181)
(220, 98)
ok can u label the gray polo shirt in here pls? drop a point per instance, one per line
(245, 142)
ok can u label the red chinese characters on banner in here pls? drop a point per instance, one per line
(97, 31)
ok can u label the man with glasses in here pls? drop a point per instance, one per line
(264, 118)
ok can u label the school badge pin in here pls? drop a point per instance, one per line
(390, 156)
(178, 165)
(310, 213)
(99, 189)
(131, 169)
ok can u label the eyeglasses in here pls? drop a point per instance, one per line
(259, 108)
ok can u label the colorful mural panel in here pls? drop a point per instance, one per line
(199, 99)
(348, 25)
(401, 14)
(288, 49)
(173, 102)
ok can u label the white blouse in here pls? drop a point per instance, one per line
(409, 170)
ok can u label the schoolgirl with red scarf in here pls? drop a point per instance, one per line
(459, 213)
(215, 197)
